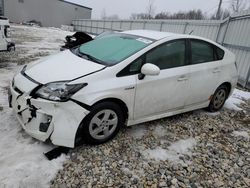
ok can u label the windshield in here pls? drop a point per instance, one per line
(112, 49)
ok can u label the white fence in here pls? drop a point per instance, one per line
(233, 32)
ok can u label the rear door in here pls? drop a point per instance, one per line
(205, 71)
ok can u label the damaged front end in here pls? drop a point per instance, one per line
(44, 119)
(32, 118)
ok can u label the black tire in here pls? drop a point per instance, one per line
(213, 106)
(84, 133)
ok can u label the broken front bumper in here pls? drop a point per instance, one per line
(43, 119)
(30, 117)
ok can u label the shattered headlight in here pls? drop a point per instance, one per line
(58, 91)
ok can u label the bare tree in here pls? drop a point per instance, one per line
(163, 15)
(238, 5)
(224, 13)
(112, 17)
(150, 9)
(133, 16)
(149, 14)
(139, 16)
(190, 15)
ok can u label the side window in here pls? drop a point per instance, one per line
(133, 68)
(168, 55)
(202, 52)
(220, 53)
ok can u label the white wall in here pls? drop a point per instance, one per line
(49, 12)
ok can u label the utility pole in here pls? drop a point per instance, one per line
(219, 10)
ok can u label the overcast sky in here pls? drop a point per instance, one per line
(124, 8)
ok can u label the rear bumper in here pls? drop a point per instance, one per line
(43, 119)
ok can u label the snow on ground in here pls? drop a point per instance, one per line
(173, 152)
(236, 99)
(159, 131)
(242, 134)
(44, 40)
(22, 163)
(137, 131)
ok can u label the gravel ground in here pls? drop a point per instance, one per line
(220, 157)
(195, 149)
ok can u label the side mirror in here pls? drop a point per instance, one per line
(150, 69)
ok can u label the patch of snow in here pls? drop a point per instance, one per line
(183, 146)
(174, 151)
(159, 131)
(236, 99)
(241, 94)
(241, 133)
(22, 163)
(48, 40)
(212, 113)
(137, 131)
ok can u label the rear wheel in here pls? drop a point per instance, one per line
(102, 123)
(219, 98)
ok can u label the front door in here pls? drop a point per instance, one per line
(167, 91)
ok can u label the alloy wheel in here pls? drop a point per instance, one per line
(103, 124)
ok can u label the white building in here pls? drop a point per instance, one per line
(49, 12)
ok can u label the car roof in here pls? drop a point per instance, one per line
(159, 35)
(156, 35)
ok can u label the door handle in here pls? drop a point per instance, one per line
(182, 78)
(216, 70)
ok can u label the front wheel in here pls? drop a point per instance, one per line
(219, 98)
(102, 123)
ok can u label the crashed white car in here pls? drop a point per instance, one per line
(119, 79)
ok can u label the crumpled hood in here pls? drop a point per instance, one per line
(61, 67)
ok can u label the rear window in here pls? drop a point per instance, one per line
(202, 52)
(114, 48)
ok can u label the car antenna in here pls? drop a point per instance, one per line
(191, 32)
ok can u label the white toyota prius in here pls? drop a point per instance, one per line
(125, 78)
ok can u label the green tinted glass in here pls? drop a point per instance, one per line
(202, 52)
(114, 48)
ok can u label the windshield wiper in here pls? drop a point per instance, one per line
(90, 57)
